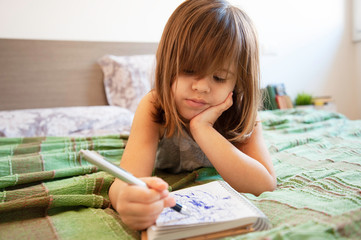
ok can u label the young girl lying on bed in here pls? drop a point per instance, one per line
(202, 112)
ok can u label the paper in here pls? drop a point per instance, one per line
(212, 203)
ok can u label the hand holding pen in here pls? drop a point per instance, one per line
(154, 183)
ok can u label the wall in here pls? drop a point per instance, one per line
(90, 20)
(306, 44)
(356, 5)
(358, 79)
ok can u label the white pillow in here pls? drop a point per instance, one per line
(127, 78)
(66, 121)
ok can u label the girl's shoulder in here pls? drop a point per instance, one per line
(147, 103)
(149, 97)
(146, 112)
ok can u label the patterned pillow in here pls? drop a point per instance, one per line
(66, 121)
(127, 78)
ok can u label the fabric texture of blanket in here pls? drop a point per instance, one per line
(49, 192)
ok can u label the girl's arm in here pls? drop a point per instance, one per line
(139, 207)
(140, 151)
(246, 167)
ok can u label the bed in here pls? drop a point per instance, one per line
(57, 97)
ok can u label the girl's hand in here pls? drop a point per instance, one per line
(211, 114)
(139, 207)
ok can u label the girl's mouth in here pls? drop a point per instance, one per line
(196, 103)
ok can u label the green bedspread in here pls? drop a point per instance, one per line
(49, 192)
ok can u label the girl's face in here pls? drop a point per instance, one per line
(193, 95)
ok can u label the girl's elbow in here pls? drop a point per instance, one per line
(273, 183)
(270, 186)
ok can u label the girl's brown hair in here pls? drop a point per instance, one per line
(203, 36)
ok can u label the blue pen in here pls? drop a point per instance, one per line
(118, 172)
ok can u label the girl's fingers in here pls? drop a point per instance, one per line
(169, 202)
(139, 207)
(156, 183)
(139, 222)
(227, 102)
(142, 210)
(211, 114)
(141, 214)
(158, 189)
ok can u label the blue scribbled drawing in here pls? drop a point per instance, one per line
(207, 205)
(202, 204)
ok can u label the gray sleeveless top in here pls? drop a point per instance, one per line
(180, 153)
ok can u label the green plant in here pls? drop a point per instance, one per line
(303, 99)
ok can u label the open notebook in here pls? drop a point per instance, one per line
(215, 207)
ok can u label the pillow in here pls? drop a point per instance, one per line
(67, 121)
(127, 78)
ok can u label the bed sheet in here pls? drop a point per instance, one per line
(49, 192)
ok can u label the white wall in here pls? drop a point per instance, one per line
(306, 44)
(90, 20)
(356, 5)
(358, 78)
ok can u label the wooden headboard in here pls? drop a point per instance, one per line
(46, 73)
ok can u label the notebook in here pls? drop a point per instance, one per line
(215, 207)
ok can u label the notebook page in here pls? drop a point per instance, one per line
(212, 202)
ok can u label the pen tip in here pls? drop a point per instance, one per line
(186, 211)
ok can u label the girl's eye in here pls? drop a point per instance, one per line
(218, 79)
(188, 72)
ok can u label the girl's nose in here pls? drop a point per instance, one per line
(201, 85)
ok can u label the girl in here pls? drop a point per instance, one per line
(202, 112)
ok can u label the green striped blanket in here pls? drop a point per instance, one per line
(49, 192)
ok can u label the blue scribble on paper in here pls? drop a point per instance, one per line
(206, 206)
